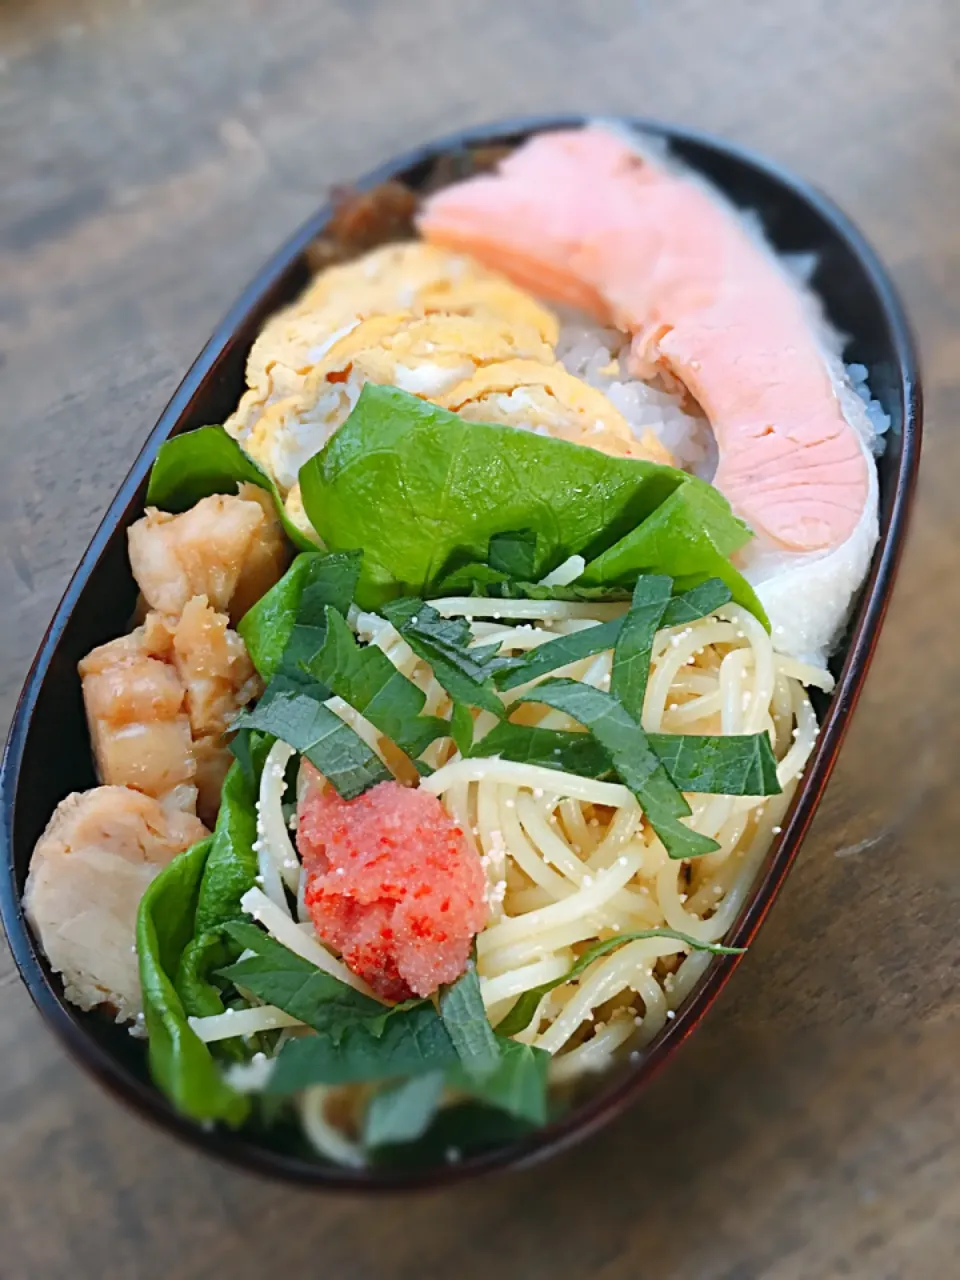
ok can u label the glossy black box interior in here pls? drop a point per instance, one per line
(48, 755)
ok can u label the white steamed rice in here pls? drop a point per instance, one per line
(598, 355)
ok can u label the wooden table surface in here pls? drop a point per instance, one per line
(151, 155)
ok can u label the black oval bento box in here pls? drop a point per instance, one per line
(48, 755)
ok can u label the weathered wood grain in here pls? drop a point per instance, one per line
(151, 155)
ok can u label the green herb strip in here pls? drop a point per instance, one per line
(724, 765)
(402, 1112)
(569, 752)
(561, 652)
(736, 764)
(480, 580)
(517, 1085)
(367, 680)
(519, 1017)
(634, 643)
(296, 714)
(412, 1043)
(634, 760)
(278, 976)
(690, 606)
(444, 643)
(652, 607)
(359, 1039)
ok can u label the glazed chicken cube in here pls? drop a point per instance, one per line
(136, 711)
(213, 666)
(230, 549)
(159, 701)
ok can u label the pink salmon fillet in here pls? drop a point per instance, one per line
(579, 217)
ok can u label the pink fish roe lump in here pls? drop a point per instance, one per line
(392, 884)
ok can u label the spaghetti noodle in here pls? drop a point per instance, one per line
(570, 861)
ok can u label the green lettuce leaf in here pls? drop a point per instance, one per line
(250, 749)
(514, 554)
(181, 1065)
(518, 1019)
(201, 958)
(402, 1112)
(204, 995)
(688, 537)
(423, 492)
(230, 869)
(231, 866)
(287, 625)
(196, 464)
(413, 1042)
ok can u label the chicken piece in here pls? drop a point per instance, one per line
(137, 715)
(87, 875)
(523, 393)
(219, 680)
(154, 696)
(228, 548)
(213, 667)
(268, 555)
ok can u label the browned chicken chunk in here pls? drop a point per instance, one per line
(160, 700)
(213, 666)
(267, 557)
(136, 710)
(230, 549)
